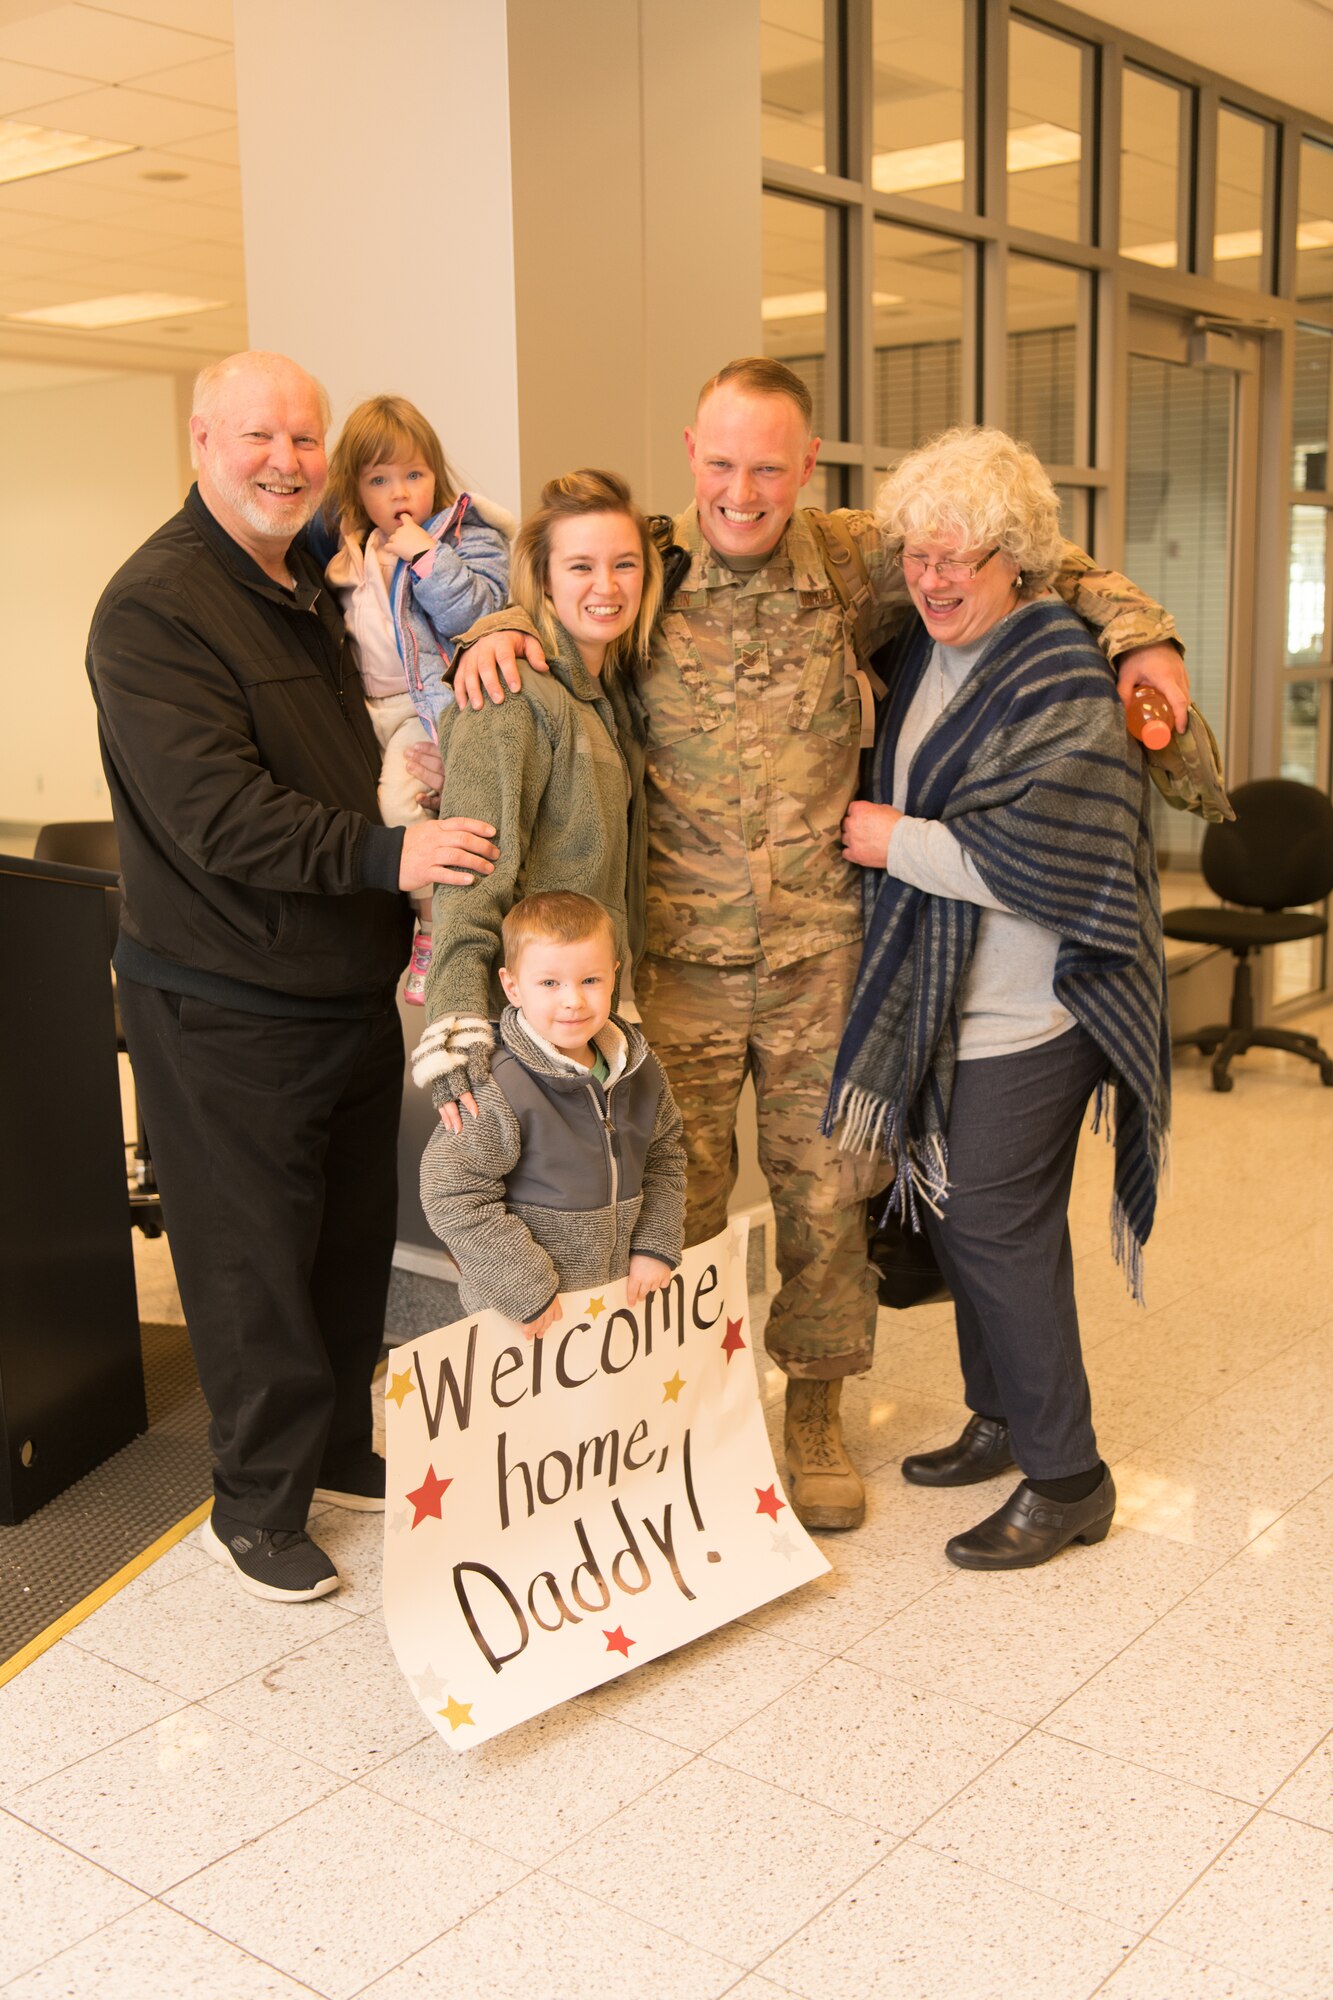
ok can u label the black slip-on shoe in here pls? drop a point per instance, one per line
(280, 1564)
(1029, 1530)
(359, 1486)
(982, 1452)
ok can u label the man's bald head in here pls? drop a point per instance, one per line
(214, 384)
(257, 443)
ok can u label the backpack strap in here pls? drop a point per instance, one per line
(845, 567)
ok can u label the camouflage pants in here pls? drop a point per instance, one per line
(714, 1025)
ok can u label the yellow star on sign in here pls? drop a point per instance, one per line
(596, 1306)
(401, 1386)
(671, 1390)
(456, 1712)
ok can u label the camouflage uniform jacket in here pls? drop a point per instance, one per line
(753, 715)
(754, 730)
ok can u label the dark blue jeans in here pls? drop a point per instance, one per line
(1003, 1245)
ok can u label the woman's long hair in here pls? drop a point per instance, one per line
(587, 491)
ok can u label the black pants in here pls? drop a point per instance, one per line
(275, 1146)
(1003, 1245)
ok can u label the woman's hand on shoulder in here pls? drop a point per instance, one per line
(866, 832)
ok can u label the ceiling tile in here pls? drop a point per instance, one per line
(222, 145)
(121, 113)
(89, 42)
(21, 85)
(125, 172)
(102, 240)
(62, 194)
(211, 82)
(199, 17)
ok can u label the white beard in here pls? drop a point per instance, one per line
(246, 500)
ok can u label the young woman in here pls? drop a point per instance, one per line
(559, 768)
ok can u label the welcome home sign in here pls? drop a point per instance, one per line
(561, 1510)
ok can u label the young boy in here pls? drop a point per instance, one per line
(573, 1171)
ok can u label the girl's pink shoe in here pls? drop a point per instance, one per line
(414, 992)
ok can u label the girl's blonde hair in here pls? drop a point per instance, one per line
(586, 491)
(383, 431)
(982, 489)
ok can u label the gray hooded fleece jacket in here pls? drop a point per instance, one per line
(559, 1180)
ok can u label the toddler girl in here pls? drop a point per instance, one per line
(417, 563)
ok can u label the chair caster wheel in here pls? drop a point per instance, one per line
(1208, 1048)
(1224, 1082)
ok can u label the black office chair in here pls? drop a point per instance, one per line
(91, 843)
(1276, 854)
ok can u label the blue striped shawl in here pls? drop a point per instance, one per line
(1032, 769)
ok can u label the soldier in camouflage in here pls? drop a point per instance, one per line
(756, 717)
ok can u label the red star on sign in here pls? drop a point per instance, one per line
(427, 1497)
(768, 1501)
(733, 1340)
(616, 1642)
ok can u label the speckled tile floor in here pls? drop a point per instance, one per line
(1110, 1776)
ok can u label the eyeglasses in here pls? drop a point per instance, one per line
(948, 570)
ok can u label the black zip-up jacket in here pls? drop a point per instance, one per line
(243, 770)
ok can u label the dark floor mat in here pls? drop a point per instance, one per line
(50, 1562)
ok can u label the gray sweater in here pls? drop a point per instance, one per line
(560, 1179)
(1007, 1001)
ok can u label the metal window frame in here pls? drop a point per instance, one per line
(1191, 290)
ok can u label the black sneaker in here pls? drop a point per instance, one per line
(282, 1564)
(359, 1485)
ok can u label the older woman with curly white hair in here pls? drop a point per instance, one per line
(1012, 967)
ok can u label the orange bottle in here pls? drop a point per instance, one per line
(1148, 715)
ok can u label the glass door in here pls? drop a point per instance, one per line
(1192, 429)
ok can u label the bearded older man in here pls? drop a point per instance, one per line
(263, 929)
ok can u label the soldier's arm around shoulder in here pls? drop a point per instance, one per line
(1120, 615)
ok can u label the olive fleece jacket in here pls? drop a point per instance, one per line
(559, 1180)
(558, 771)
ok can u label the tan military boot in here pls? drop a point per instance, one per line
(826, 1489)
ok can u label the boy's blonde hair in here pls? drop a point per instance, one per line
(383, 431)
(586, 491)
(556, 916)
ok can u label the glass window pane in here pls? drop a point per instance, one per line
(1240, 244)
(1178, 535)
(799, 255)
(1074, 514)
(918, 335)
(1300, 731)
(1044, 305)
(826, 488)
(791, 62)
(1045, 143)
(1310, 407)
(1314, 225)
(1149, 169)
(1307, 581)
(918, 85)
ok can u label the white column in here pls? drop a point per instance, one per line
(539, 221)
(378, 218)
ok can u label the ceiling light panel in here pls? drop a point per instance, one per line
(122, 309)
(26, 149)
